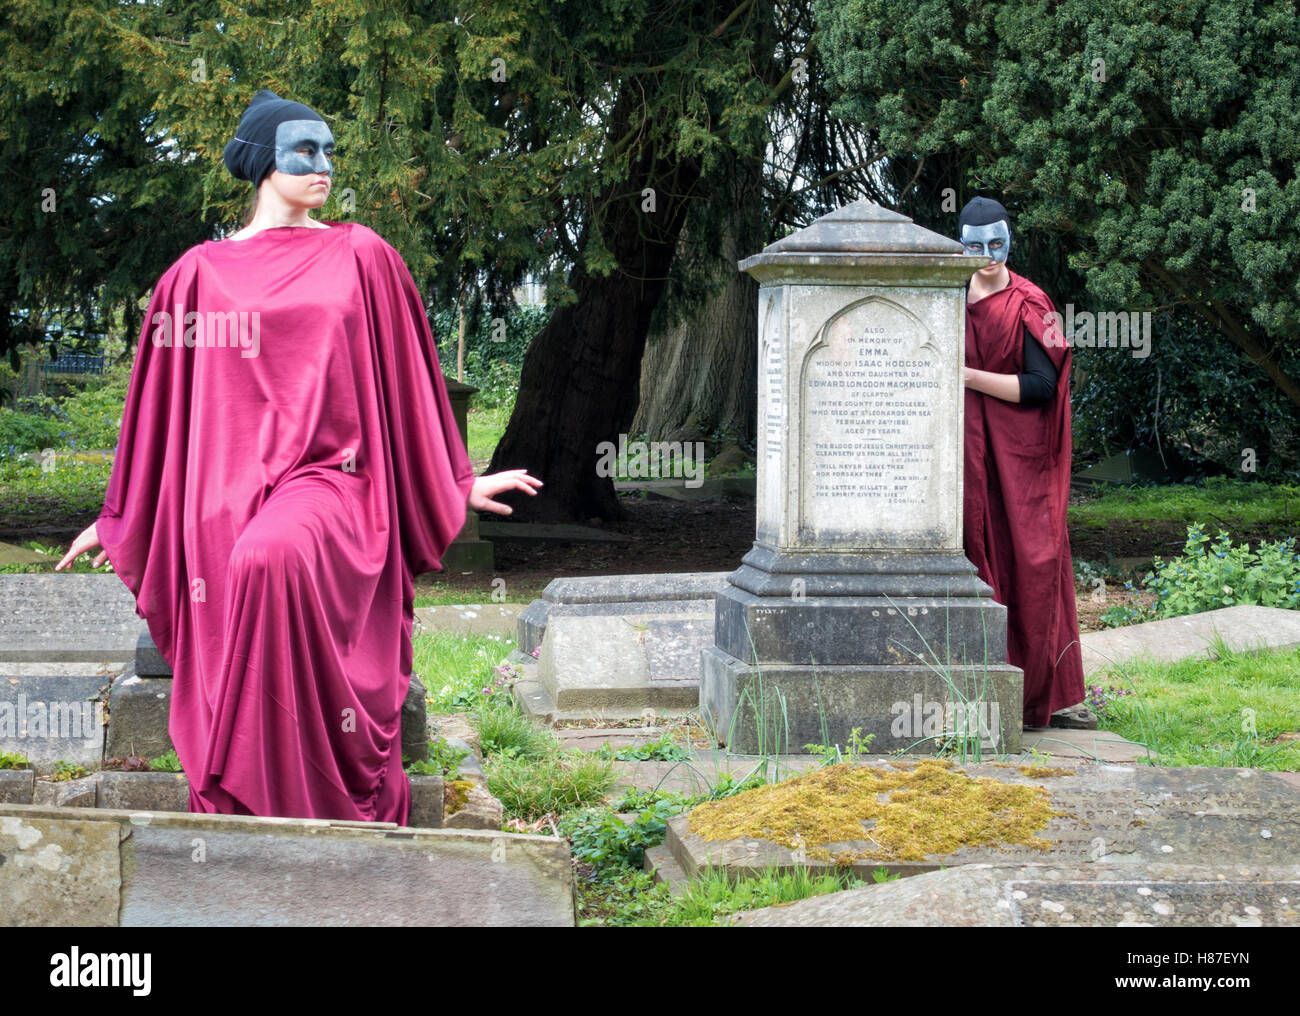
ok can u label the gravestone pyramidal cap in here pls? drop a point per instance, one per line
(856, 607)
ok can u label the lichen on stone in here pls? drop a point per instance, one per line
(1045, 772)
(919, 811)
(455, 796)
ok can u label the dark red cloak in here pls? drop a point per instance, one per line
(1016, 487)
(269, 511)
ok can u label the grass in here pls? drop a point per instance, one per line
(631, 898)
(440, 594)
(528, 771)
(1234, 504)
(483, 428)
(1229, 711)
(455, 668)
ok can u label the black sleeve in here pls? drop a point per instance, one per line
(1038, 382)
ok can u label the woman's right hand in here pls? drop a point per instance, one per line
(87, 540)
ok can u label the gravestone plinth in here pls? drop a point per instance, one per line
(857, 607)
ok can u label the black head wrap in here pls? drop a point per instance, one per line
(250, 155)
(982, 212)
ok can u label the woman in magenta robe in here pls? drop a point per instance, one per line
(1017, 470)
(288, 461)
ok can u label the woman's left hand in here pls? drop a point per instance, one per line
(487, 487)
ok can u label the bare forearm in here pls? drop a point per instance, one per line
(1001, 386)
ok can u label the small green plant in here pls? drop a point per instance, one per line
(1209, 575)
(13, 760)
(167, 763)
(68, 771)
(663, 749)
(601, 837)
(884, 875)
(444, 760)
(832, 755)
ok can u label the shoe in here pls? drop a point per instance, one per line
(1078, 717)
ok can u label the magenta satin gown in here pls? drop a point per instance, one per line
(288, 461)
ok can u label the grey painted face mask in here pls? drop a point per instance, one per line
(303, 147)
(991, 241)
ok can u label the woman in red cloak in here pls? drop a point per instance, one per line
(288, 461)
(1017, 470)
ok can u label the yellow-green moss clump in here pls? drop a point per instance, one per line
(1045, 772)
(910, 814)
(455, 796)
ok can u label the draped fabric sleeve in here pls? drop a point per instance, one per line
(1044, 324)
(432, 475)
(141, 525)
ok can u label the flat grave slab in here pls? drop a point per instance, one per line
(499, 619)
(1157, 895)
(1177, 638)
(1108, 815)
(87, 618)
(88, 866)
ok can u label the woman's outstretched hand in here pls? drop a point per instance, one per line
(87, 540)
(487, 487)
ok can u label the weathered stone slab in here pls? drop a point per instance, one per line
(1157, 895)
(1179, 638)
(415, 720)
(781, 708)
(135, 791)
(499, 619)
(1113, 815)
(1076, 745)
(82, 617)
(618, 595)
(622, 665)
(16, 786)
(426, 802)
(285, 875)
(139, 708)
(57, 870)
(81, 793)
(228, 870)
(51, 718)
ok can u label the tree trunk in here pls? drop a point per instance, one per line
(578, 386)
(699, 376)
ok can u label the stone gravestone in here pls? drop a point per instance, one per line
(63, 639)
(856, 607)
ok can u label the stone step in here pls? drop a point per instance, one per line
(660, 863)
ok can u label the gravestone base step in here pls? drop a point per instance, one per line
(780, 707)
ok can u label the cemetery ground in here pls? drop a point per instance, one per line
(612, 787)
